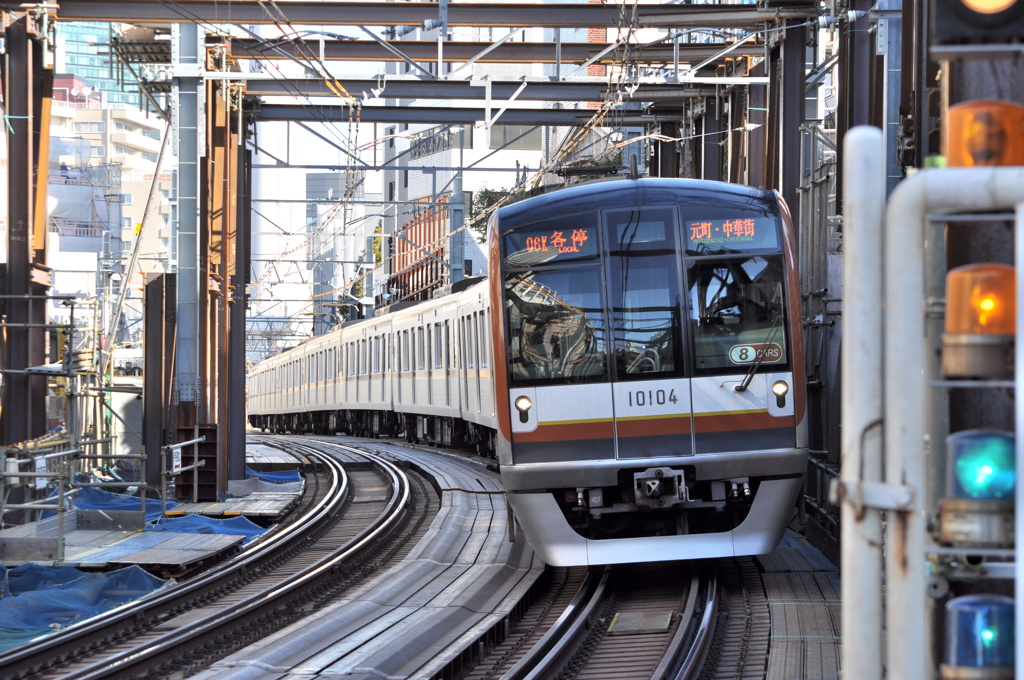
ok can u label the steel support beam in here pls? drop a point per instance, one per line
(337, 13)
(27, 86)
(536, 90)
(794, 69)
(189, 60)
(160, 300)
(507, 53)
(456, 116)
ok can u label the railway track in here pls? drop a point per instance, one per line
(666, 620)
(636, 621)
(347, 518)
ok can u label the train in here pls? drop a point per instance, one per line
(631, 363)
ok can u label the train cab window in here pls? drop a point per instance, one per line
(644, 292)
(556, 325)
(737, 314)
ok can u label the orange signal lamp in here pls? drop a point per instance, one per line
(984, 133)
(981, 304)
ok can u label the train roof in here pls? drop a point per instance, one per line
(609, 192)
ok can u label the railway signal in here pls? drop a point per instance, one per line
(980, 317)
(972, 22)
(979, 638)
(977, 508)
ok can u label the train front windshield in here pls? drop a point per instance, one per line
(617, 295)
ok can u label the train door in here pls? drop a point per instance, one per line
(464, 364)
(447, 369)
(479, 357)
(650, 393)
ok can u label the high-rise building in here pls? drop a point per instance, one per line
(83, 50)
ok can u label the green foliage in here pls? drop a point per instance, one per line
(483, 199)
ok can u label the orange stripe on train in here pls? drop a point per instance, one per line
(748, 420)
(567, 431)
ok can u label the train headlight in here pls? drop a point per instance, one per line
(977, 508)
(523, 405)
(780, 388)
(980, 321)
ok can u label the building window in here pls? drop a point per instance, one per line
(98, 151)
(126, 199)
(91, 126)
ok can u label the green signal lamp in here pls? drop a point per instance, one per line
(979, 638)
(977, 509)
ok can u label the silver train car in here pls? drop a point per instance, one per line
(630, 363)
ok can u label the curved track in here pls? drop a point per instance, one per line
(257, 591)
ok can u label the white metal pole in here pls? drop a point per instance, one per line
(906, 450)
(861, 561)
(1018, 359)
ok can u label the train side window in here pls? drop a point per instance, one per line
(448, 346)
(467, 327)
(737, 314)
(438, 346)
(405, 350)
(483, 346)
(420, 349)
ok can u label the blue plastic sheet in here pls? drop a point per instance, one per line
(275, 477)
(197, 524)
(37, 599)
(91, 498)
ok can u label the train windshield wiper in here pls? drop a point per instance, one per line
(759, 359)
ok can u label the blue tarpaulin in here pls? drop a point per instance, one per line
(91, 498)
(275, 477)
(197, 524)
(37, 599)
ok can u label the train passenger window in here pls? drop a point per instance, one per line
(644, 292)
(556, 326)
(420, 349)
(362, 357)
(438, 346)
(483, 347)
(405, 350)
(737, 314)
(467, 335)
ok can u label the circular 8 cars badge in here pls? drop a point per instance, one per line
(748, 354)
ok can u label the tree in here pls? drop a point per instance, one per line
(483, 200)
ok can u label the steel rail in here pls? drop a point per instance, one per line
(169, 646)
(702, 633)
(571, 628)
(25, 660)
